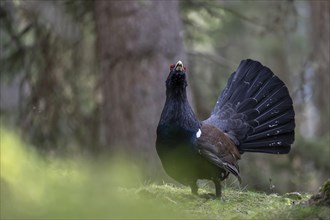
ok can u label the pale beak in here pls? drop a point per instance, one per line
(179, 66)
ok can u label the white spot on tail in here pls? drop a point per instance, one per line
(199, 133)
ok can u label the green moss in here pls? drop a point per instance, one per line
(322, 198)
(326, 187)
(235, 204)
(304, 212)
(293, 195)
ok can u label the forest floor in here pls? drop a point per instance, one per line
(38, 187)
(235, 204)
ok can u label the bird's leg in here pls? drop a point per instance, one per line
(218, 193)
(194, 188)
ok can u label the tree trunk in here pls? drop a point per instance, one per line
(136, 43)
(320, 32)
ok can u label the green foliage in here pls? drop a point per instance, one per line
(37, 188)
(79, 187)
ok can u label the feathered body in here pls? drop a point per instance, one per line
(254, 113)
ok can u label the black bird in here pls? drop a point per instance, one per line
(254, 113)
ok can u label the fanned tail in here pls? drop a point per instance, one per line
(255, 110)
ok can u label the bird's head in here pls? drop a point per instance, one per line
(177, 76)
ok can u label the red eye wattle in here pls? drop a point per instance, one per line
(185, 68)
(172, 66)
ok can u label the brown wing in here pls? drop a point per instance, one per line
(216, 147)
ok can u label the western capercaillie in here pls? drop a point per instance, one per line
(254, 113)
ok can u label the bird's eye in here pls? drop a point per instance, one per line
(172, 67)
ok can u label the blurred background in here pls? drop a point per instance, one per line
(87, 78)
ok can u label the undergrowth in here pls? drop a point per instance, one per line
(35, 187)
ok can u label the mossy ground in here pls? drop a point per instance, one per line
(34, 187)
(235, 204)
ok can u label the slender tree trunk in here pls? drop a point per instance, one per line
(136, 42)
(320, 36)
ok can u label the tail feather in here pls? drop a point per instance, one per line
(283, 129)
(272, 98)
(239, 94)
(255, 110)
(279, 107)
(259, 81)
(266, 89)
(278, 144)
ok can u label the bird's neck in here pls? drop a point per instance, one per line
(177, 94)
(177, 110)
